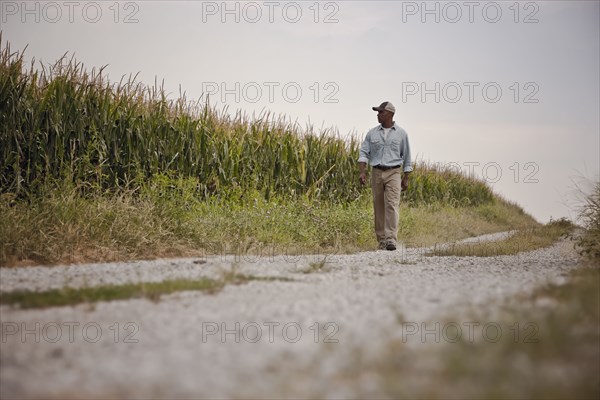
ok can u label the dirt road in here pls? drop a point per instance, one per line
(288, 337)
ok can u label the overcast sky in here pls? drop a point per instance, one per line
(508, 90)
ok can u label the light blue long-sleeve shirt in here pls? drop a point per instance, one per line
(389, 151)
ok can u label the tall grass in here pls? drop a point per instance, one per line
(589, 242)
(62, 123)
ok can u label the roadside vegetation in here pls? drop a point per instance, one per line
(148, 290)
(93, 170)
(523, 240)
(66, 227)
(589, 242)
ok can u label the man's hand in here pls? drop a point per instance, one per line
(404, 183)
(363, 175)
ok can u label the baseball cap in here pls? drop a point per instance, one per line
(386, 105)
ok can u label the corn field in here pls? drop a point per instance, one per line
(63, 123)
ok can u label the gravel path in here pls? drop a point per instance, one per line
(267, 339)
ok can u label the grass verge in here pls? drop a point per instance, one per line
(589, 242)
(523, 240)
(428, 225)
(149, 290)
(66, 227)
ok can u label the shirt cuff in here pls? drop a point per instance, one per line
(408, 168)
(363, 159)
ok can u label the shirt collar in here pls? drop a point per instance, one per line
(392, 127)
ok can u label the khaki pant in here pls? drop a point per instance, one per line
(386, 187)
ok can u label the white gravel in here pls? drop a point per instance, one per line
(358, 302)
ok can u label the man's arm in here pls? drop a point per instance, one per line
(404, 183)
(363, 173)
(408, 166)
(363, 158)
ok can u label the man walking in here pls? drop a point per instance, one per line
(386, 148)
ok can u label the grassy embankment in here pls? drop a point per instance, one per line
(523, 240)
(99, 171)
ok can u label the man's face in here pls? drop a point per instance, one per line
(383, 115)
